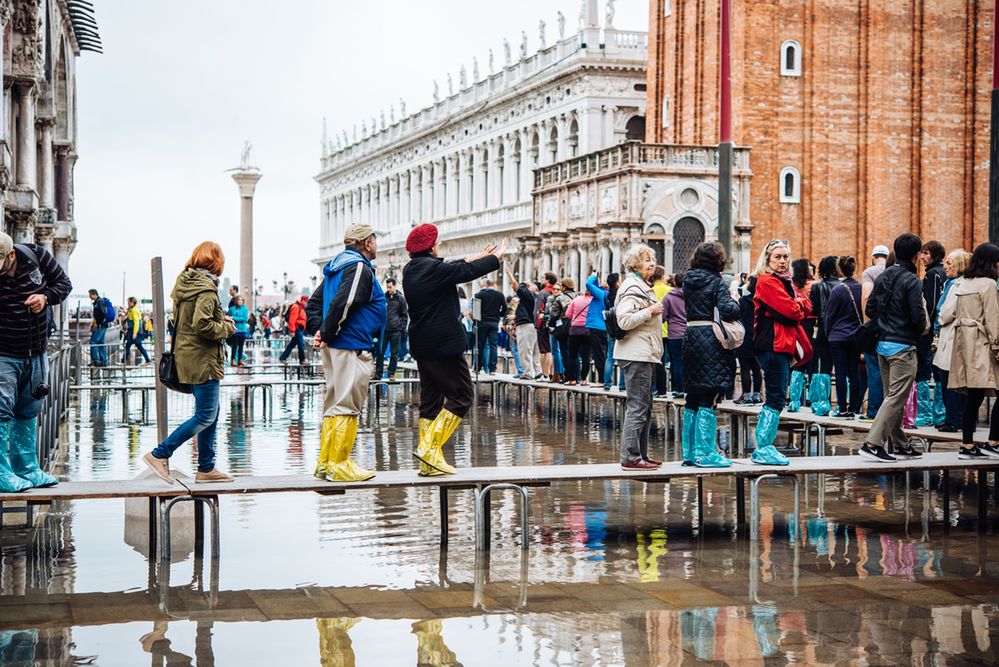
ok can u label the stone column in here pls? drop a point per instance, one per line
(46, 185)
(572, 266)
(510, 167)
(426, 210)
(453, 180)
(26, 149)
(405, 200)
(479, 179)
(557, 262)
(496, 194)
(584, 264)
(465, 180)
(528, 274)
(246, 179)
(590, 130)
(440, 189)
(616, 256)
(605, 260)
(526, 164)
(62, 183)
(563, 137)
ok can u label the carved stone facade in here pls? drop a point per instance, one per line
(38, 135)
(588, 210)
(467, 163)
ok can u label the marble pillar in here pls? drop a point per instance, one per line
(247, 180)
(46, 184)
(26, 150)
(584, 264)
(62, 183)
(605, 260)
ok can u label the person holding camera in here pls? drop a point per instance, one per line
(30, 281)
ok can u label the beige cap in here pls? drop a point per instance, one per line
(6, 245)
(357, 233)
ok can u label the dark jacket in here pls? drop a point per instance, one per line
(747, 313)
(431, 287)
(842, 316)
(933, 285)
(525, 306)
(707, 367)
(493, 304)
(897, 305)
(819, 297)
(398, 312)
(22, 333)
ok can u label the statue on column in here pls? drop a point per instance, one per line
(523, 45)
(392, 114)
(609, 14)
(506, 51)
(463, 78)
(475, 69)
(582, 14)
(437, 92)
(383, 119)
(561, 26)
(491, 62)
(402, 108)
(450, 85)
(541, 35)
(244, 162)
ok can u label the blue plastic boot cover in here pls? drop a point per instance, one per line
(766, 432)
(705, 450)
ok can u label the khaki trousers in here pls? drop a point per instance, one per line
(898, 372)
(348, 373)
(527, 350)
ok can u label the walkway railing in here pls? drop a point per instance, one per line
(63, 364)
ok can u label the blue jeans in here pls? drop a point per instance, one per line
(609, 366)
(557, 357)
(203, 424)
(131, 340)
(98, 353)
(674, 347)
(875, 389)
(776, 376)
(516, 357)
(488, 333)
(297, 340)
(18, 378)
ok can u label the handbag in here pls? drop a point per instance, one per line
(866, 337)
(803, 350)
(167, 369)
(614, 329)
(729, 334)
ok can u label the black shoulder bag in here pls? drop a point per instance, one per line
(167, 370)
(614, 329)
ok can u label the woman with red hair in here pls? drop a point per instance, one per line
(201, 327)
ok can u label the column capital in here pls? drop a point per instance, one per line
(45, 123)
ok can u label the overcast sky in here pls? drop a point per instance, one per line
(181, 84)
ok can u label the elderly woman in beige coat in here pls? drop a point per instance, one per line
(639, 314)
(974, 368)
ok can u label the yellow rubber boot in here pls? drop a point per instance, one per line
(425, 470)
(430, 646)
(341, 467)
(335, 647)
(440, 430)
(325, 448)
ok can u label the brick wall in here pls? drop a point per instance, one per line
(888, 124)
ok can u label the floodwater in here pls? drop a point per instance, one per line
(618, 573)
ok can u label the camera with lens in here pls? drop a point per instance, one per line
(40, 391)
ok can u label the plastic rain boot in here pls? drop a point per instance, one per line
(797, 387)
(24, 453)
(687, 437)
(924, 404)
(335, 647)
(426, 470)
(325, 448)
(9, 482)
(341, 467)
(441, 429)
(766, 432)
(705, 450)
(430, 646)
(818, 394)
(939, 409)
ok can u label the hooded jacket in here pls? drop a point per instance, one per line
(200, 328)
(708, 367)
(354, 309)
(974, 313)
(778, 312)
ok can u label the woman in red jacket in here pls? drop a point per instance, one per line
(778, 311)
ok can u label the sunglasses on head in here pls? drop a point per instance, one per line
(776, 242)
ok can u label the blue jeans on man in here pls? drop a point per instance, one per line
(203, 424)
(98, 351)
(609, 366)
(297, 340)
(390, 344)
(488, 336)
(557, 357)
(18, 379)
(135, 340)
(875, 388)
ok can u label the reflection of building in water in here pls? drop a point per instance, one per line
(466, 163)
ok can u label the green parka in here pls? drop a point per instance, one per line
(200, 328)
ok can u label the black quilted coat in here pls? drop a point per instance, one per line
(707, 367)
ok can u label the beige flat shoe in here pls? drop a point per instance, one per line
(159, 466)
(213, 476)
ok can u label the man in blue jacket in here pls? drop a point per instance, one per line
(353, 316)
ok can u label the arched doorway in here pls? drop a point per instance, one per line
(634, 130)
(688, 233)
(655, 237)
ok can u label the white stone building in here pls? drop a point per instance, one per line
(466, 163)
(40, 43)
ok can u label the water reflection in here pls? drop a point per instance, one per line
(618, 573)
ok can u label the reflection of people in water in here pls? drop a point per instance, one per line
(158, 645)
(336, 649)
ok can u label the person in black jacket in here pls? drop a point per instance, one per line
(437, 339)
(493, 310)
(398, 320)
(896, 304)
(930, 408)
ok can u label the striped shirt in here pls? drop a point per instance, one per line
(22, 334)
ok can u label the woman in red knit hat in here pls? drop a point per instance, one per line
(437, 340)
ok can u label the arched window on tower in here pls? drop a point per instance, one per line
(790, 58)
(790, 186)
(635, 129)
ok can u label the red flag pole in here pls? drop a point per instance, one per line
(725, 135)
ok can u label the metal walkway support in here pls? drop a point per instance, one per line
(482, 509)
(754, 503)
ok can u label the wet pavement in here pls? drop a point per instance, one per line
(618, 573)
